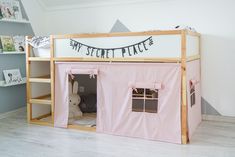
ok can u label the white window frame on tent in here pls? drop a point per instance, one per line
(150, 96)
(192, 95)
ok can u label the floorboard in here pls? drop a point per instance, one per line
(19, 139)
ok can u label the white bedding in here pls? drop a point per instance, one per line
(40, 42)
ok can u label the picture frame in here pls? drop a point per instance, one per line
(12, 76)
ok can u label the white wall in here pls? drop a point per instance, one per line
(36, 16)
(214, 19)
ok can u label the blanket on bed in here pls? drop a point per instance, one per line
(40, 42)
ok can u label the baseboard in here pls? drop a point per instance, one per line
(218, 118)
(11, 113)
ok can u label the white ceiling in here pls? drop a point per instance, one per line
(51, 5)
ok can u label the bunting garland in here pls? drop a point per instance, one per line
(130, 50)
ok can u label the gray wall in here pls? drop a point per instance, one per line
(89, 84)
(13, 97)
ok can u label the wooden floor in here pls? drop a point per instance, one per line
(19, 139)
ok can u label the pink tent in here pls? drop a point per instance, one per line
(115, 83)
(146, 84)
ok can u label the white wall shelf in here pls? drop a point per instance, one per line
(14, 20)
(12, 53)
(3, 83)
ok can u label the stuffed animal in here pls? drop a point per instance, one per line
(88, 103)
(74, 100)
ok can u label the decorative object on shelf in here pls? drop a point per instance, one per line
(4, 84)
(7, 9)
(1, 15)
(19, 42)
(17, 9)
(12, 76)
(129, 50)
(10, 9)
(14, 45)
(7, 43)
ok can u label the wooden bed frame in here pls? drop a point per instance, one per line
(50, 99)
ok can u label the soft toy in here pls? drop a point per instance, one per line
(74, 100)
(88, 103)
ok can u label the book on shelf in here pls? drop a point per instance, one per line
(1, 15)
(10, 44)
(7, 44)
(10, 9)
(12, 76)
(19, 42)
(7, 9)
(17, 9)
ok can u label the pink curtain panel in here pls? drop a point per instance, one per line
(194, 112)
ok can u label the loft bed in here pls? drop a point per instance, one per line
(146, 77)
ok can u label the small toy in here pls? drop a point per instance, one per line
(74, 100)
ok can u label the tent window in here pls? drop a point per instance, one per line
(138, 100)
(192, 95)
(144, 100)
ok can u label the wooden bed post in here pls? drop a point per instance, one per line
(28, 90)
(184, 119)
(52, 70)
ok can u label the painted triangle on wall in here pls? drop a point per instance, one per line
(119, 27)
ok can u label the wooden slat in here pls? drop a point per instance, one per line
(40, 101)
(52, 70)
(188, 32)
(28, 88)
(47, 96)
(29, 112)
(184, 121)
(42, 116)
(192, 58)
(97, 35)
(41, 79)
(83, 128)
(143, 60)
(44, 76)
(39, 59)
(45, 99)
